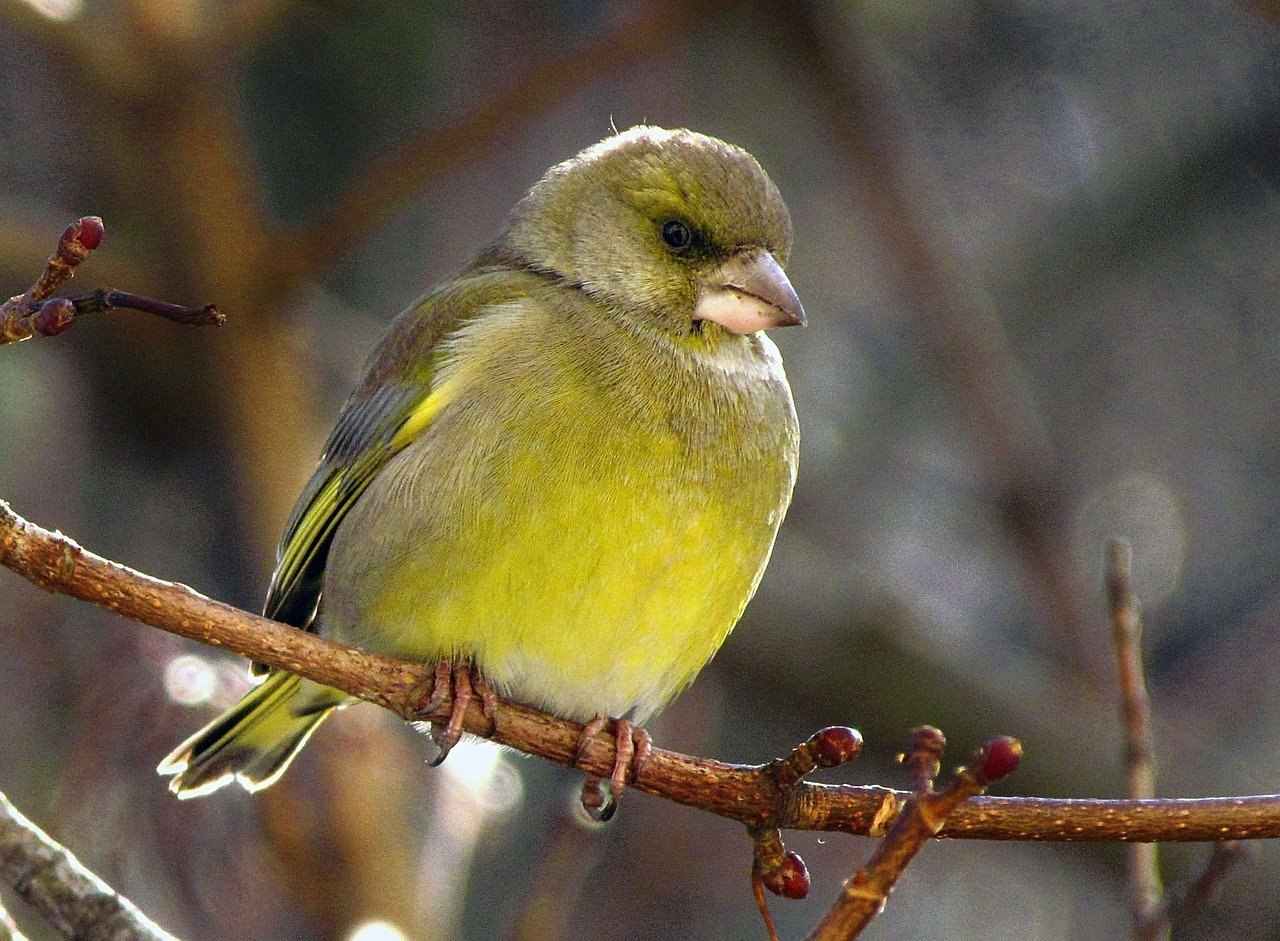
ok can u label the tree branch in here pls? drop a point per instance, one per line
(749, 794)
(9, 928)
(70, 897)
(864, 896)
(35, 313)
(1146, 889)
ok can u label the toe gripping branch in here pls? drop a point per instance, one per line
(458, 684)
(632, 746)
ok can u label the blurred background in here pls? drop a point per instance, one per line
(1037, 242)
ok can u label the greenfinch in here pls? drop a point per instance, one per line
(561, 476)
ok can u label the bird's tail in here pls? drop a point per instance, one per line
(253, 742)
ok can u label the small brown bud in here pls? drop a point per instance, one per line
(79, 239)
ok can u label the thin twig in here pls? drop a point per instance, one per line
(108, 299)
(35, 313)
(865, 894)
(1146, 890)
(748, 794)
(70, 897)
(1203, 891)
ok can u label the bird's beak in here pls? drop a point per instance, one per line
(749, 292)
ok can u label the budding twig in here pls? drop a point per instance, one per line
(864, 896)
(773, 867)
(36, 313)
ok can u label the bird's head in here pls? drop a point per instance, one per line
(674, 228)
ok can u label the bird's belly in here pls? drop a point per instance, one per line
(600, 588)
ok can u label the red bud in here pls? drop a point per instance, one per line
(91, 232)
(54, 317)
(835, 745)
(1000, 758)
(790, 880)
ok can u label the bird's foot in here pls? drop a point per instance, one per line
(632, 746)
(461, 683)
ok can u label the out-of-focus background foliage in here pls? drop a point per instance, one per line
(1038, 247)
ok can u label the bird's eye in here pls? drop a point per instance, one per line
(677, 234)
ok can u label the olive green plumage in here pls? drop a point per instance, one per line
(567, 464)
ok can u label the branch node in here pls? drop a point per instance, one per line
(923, 756)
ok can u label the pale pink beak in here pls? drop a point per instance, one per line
(749, 292)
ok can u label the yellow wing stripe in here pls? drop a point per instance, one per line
(422, 415)
(330, 505)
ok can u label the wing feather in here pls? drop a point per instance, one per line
(393, 405)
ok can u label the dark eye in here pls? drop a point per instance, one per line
(676, 234)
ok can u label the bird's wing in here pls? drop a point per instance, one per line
(370, 431)
(393, 405)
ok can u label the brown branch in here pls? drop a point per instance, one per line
(1146, 889)
(70, 897)
(773, 867)
(1153, 917)
(386, 188)
(108, 299)
(35, 313)
(864, 896)
(748, 794)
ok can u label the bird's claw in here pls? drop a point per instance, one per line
(632, 746)
(462, 683)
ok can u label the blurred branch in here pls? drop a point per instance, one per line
(1146, 891)
(1153, 916)
(389, 185)
(1203, 892)
(747, 793)
(71, 898)
(864, 896)
(969, 344)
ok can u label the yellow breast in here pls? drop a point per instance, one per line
(586, 518)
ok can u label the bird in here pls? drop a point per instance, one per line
(562, 474)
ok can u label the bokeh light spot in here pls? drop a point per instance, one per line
(1144, 510)
(190, 680)
(377, 931)
(61, 10)
(484, 771)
